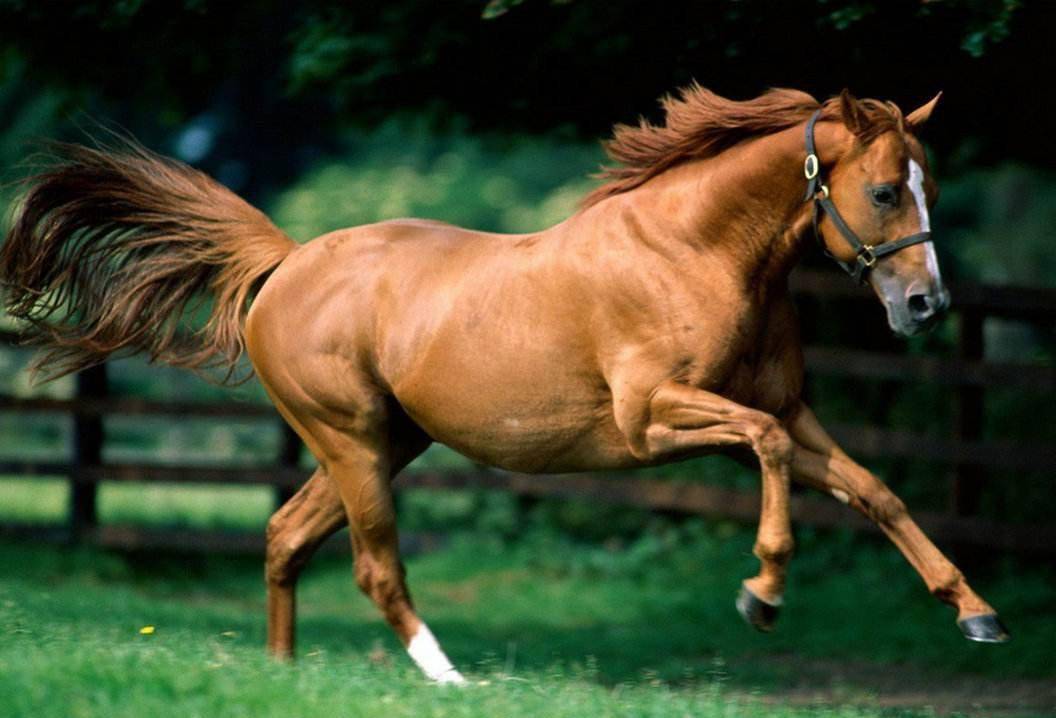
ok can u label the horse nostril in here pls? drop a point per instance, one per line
(920, 306)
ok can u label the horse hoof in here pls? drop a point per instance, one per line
(986, 628)
(758, 613)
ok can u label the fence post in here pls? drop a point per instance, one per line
(289, 458)
(968, 479)
(88, 436)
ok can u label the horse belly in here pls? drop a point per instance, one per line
(520, 417)
(533, 445)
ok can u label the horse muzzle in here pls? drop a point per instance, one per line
(914, 310)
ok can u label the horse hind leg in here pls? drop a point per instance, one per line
(360, 448)
(300, 526)
(318, 510)
(294, 533)
(363, 479)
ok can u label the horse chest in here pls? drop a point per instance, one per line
(756, 362)
(766, 384)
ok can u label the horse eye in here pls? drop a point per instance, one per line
(884, 195)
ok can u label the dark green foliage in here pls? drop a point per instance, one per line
(996, 222)
(276, 79)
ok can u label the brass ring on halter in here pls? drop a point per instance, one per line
(811, 166)
(824, 189)
(866, 256)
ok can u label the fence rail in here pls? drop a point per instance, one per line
(963, 449)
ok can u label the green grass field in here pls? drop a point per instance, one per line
(543, 625)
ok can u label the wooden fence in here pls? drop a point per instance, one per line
(963, 449)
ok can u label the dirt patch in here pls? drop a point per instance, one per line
(818, 682)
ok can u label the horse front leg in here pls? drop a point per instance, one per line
(681, 419)
(819, 462)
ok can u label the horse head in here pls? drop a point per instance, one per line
(883, 188)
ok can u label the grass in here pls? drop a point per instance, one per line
(544, 625)
(45, 501)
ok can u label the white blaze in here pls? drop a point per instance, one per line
(427, 653)
(916, 188)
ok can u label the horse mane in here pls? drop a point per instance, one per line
(699, 123)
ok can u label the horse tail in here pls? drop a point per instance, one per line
(116, 251)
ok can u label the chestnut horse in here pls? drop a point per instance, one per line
(653, 325)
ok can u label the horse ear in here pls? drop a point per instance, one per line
(854, 117)
(916, 119)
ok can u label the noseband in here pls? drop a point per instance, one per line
(865, 255)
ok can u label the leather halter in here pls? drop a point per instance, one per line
(865, 255)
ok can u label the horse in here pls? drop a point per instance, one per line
(652, 325)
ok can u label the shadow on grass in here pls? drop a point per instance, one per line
(805, 664)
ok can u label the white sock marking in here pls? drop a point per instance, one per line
(427, 653)
(916, 188)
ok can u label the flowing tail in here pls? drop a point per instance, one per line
(118, 250)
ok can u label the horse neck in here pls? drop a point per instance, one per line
(744, 206)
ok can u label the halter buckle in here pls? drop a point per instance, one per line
(824, 189)
(811, 166)
(866, 256)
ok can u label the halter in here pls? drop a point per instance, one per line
(865, 255)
